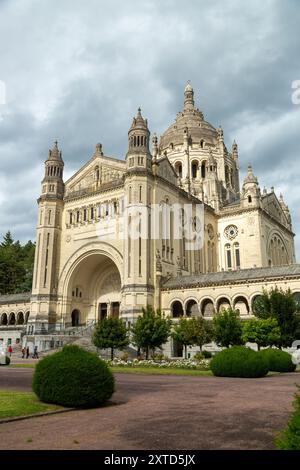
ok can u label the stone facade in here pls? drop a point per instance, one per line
(89, 265)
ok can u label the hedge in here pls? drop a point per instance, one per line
(73, 377)
(239, 361)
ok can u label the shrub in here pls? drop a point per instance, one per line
(198, 356)
(73, 377)
(289, 439)
(124, 357)
(207, 354)
(239, 361)
(278, 361)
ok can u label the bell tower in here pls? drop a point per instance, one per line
(138, 155)
(45, 275)
(138, 274)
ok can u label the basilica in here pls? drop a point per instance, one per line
(120, 234)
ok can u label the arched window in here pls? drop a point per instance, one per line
(228, 256)
(201, 143)
(178, 169)
(130, 195)
(195, 169)
(227, 175)
(12, 319)
(203, 166)
(249, 199)
(237, 255)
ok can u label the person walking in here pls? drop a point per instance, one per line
(27, 352)
(35, 353)
(23, 353)
(9, 350)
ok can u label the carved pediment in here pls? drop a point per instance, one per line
(96, 173)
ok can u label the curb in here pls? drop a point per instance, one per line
(55, 412)
(37, 415)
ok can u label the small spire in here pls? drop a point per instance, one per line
(189, 103)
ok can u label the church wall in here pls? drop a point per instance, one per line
(247, 235)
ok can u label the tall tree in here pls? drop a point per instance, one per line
(282, 306)
(16, 265)
(151, 330)
(264, 332)
(228, 328)
(184, 333)
(203, 331)
(111, 333)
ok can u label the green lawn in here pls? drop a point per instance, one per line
(14, 404)
(159, 371)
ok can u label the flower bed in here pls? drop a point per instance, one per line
(176, 364)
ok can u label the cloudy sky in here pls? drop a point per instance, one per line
(77, 71)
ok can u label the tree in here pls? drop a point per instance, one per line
(264, 332)
(184, 333)
(228, 328)
(16, 265)
(282, 306)
(151, 330)
(203, 331)
(193, 332)
(111, 333)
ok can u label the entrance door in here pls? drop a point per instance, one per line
(115, 309)
(102, 312)
(177, 348)
(75, 317)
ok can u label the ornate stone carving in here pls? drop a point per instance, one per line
(231, 232)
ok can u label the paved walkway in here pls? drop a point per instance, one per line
(162, 412)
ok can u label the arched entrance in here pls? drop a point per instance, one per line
(75, 316)
(92, 288)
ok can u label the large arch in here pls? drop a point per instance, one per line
(97, 269)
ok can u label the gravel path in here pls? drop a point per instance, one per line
(161, 412)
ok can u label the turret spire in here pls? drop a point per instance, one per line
(189, 103)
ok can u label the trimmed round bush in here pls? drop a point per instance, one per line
(278, 360)
(73, 377)
(239, 361)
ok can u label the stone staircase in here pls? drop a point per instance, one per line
(82, 337)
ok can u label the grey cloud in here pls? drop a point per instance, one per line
(79, 73)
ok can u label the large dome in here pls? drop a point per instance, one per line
(191, 118)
